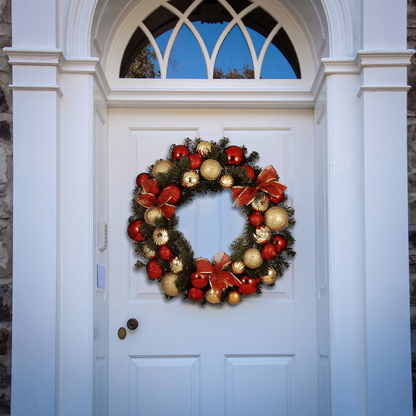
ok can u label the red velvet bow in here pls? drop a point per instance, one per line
(150, 191)
(168, 194)
(219, 279)
(266, 182)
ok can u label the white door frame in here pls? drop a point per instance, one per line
(359, 96)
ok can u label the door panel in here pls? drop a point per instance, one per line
(258, 357)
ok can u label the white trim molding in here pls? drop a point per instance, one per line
(16, 87)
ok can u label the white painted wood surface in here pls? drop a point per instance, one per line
(201, 360)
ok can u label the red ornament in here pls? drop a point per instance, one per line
(195, 294)
(251, 174)
(235, 155)
(196, 160)
(170, 194)
(248, 285)
(276, 200)
(154, 271)
(165, 253)
(199, 280)
(178, 152)
(280, 242)
(133, 231)
(269, 251)
(140, 178)
(255, 219)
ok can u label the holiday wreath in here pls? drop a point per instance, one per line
(198, 167)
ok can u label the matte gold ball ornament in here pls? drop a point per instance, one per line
(210, 169)
(227, 181)
(252, 258)
(203, 148)
(276, 218)
(238, 267)
(234, 297)
(153, 215)
(148, 253)
(176, 264)
(262, 235)
(211, 296)
(162, 166)
(160, 236)
(270, 277)
(168, 284)
(190, 179)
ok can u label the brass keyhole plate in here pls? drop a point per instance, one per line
(122, 333)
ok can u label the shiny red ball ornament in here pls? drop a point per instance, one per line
(174, 192)
(248, 285)
(280, 242)
(154, 271)
(199, 280)
(255, 219)
(178, 152)
(251, 174)
(235, 155)
(278, 199)
(133, 231)
(196, 160)
(165, 253)
(269, 251)
(195, 294)
(140, 178)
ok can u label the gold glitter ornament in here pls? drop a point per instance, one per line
(190, 179)
(203, 148)
(160, 236)
(153, 215)
(270, 277)
(234, 297)
(252, 258)
(150, 254)
(211, 169)
(238, 267)
(276, 218)
(161, 167)
(260, 204)
(226, 181)
(211, 296)
(262, 234)
(168, 284)
(176, 265)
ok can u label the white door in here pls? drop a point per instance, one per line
(256, 358)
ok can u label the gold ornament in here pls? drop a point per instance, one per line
(153, 215)
(226, 181)
(203, 148)
(150, 254)
(190, 179)
(276, 218)
(234, 297)
(161, 167)
(211, 296)
(176, 265)
(252, 258)
(262, 234)
(160, 236)
(210, 169)
(238, 267)
(270, 276)
(168, 284)
(137, 196)
(260, 204)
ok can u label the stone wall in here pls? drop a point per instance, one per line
(6, 189)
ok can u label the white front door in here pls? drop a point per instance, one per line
(256, 358)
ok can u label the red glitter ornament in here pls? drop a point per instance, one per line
(248, 285)
(165, 253)
(269, 251)
(196, 160)
(255, 219)
(154, 271)
(133, 231)
(178, 152)
(251, 174)
(199, 280)
(278, 199)
(235, 155)
(195, 294)
(280, 242)
(140, 178)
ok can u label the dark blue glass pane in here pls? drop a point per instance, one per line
(210, 32)
(276, 66)
(155, 62)
(186, 59)
(258, 40)
(234, 59)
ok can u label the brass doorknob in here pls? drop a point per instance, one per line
(132, 324)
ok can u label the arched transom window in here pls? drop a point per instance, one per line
(214, 39)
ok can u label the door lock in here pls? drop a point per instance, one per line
(132, 324)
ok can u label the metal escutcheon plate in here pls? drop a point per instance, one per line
(122, 333)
